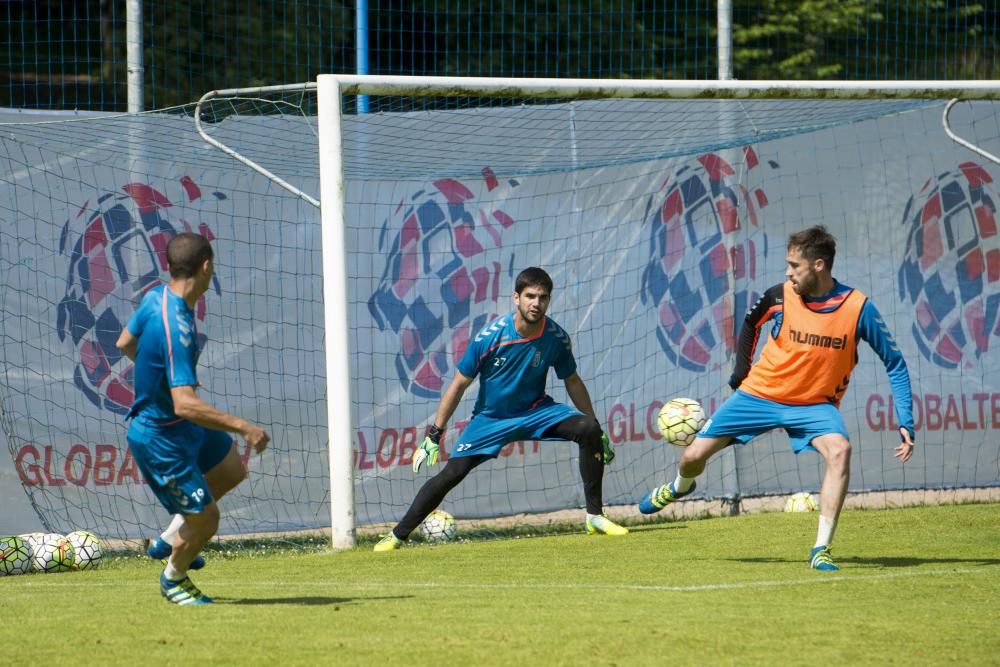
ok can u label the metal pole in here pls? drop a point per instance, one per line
(361, 47)
(133, 55)
(724, 19)
(339, 393)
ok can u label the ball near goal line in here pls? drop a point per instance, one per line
(439, 526)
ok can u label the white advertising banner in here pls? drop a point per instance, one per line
(654, 264)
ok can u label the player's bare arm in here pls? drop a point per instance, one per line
(429, 449)
(187, 405)
(128, 344)
(578, 393)
(451, 398)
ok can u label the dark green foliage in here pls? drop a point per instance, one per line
(72, 53)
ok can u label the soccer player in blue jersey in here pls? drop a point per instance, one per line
(512, 356)
(178, 440)
(799, 380)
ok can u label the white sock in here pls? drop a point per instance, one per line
(175, 525)
(593, 516)
(824, 536)
(682, 484)
(172, 573)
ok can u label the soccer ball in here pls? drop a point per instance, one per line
(801, 502)
(15, 556)
(31, 541)
(87, 548)
(53, 553)
(439, 526)
(679, 421)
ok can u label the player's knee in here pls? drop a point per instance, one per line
(696, 454)
(202, 524)
(838, 451)
(226, 479)
(583, 430)
(842, 452)
(453, 472)
(211, 515)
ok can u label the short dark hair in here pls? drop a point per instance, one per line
(815, 243)
(186, 252)
(533, 277)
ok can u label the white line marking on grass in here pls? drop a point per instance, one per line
(817, 579)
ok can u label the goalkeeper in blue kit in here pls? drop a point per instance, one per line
(512, 356)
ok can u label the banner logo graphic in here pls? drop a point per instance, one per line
(705, 251)
(950, 272)
(445, 261)
(117, 251)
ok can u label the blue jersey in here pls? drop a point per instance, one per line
(512, 369)
(166, 356)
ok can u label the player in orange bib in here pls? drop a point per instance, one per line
(799, 380)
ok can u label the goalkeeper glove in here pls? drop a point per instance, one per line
(429, 449)
(608, 454)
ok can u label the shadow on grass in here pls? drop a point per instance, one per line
(881, 561)
(653, 525)
(306, 601)
(907, 561)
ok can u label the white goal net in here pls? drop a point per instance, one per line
(660, 220)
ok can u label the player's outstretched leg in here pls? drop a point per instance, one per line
(662, 496)
(692, 464)
(598, 524)
(595, 452)
(819, 559)
(428, 498)
(182, 592)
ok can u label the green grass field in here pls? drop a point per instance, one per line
(918, 586)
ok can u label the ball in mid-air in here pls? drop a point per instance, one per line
(679, 421)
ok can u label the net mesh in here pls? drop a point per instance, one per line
(660, 222)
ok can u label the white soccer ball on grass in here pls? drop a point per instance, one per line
(15, 556)
(439, 526)
(88, 549)
(53, 553)
(801, 502)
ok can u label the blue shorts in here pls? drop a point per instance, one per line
(487, 435)
(743, 417)
(174, 459)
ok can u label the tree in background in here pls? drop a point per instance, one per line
(71, 53)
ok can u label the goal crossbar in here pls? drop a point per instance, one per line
(442, 86)
(453, 86)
